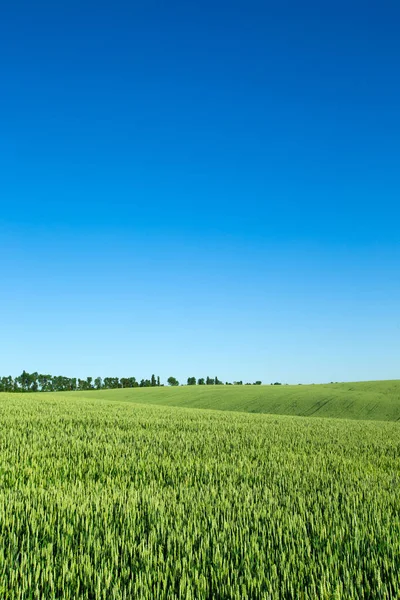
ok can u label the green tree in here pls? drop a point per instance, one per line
(7, 384)
(172, 381)
(27, 382)
(111, 383)
(191, 381)
(201, 381)
(44, 382)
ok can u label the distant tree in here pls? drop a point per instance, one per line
(23, 381)
(65, 384)
(6, 384)
(277, 383)
(55, 382)
(111, 383)
(45, 383)
(27, 382)
(34, 382)
(145, 383)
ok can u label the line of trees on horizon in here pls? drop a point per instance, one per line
(37, 382)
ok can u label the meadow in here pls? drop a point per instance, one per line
(104, 498)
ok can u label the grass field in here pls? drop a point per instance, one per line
(106, 499)
(375, 400)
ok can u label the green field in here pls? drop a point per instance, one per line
(374, 400)
(105, 495)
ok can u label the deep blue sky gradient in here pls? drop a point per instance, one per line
(200, 188)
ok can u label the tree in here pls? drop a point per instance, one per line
(145, 383)
(111, 383)
(7, 384)
(45, 383)
(27, 382)
(34, 382)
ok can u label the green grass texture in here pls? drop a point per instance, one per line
(105, 500)
(374, 400)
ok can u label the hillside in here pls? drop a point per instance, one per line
(374, 400)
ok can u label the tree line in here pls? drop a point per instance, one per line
(37, 382)
(207, 381)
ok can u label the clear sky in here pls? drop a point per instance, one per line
(200, 188)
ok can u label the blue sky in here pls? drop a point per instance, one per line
(200, 189)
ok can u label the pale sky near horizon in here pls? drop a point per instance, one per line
(200, 189)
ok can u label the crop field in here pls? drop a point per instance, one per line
(374, 400)
(105, 499)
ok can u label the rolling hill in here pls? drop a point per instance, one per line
(374, 400)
